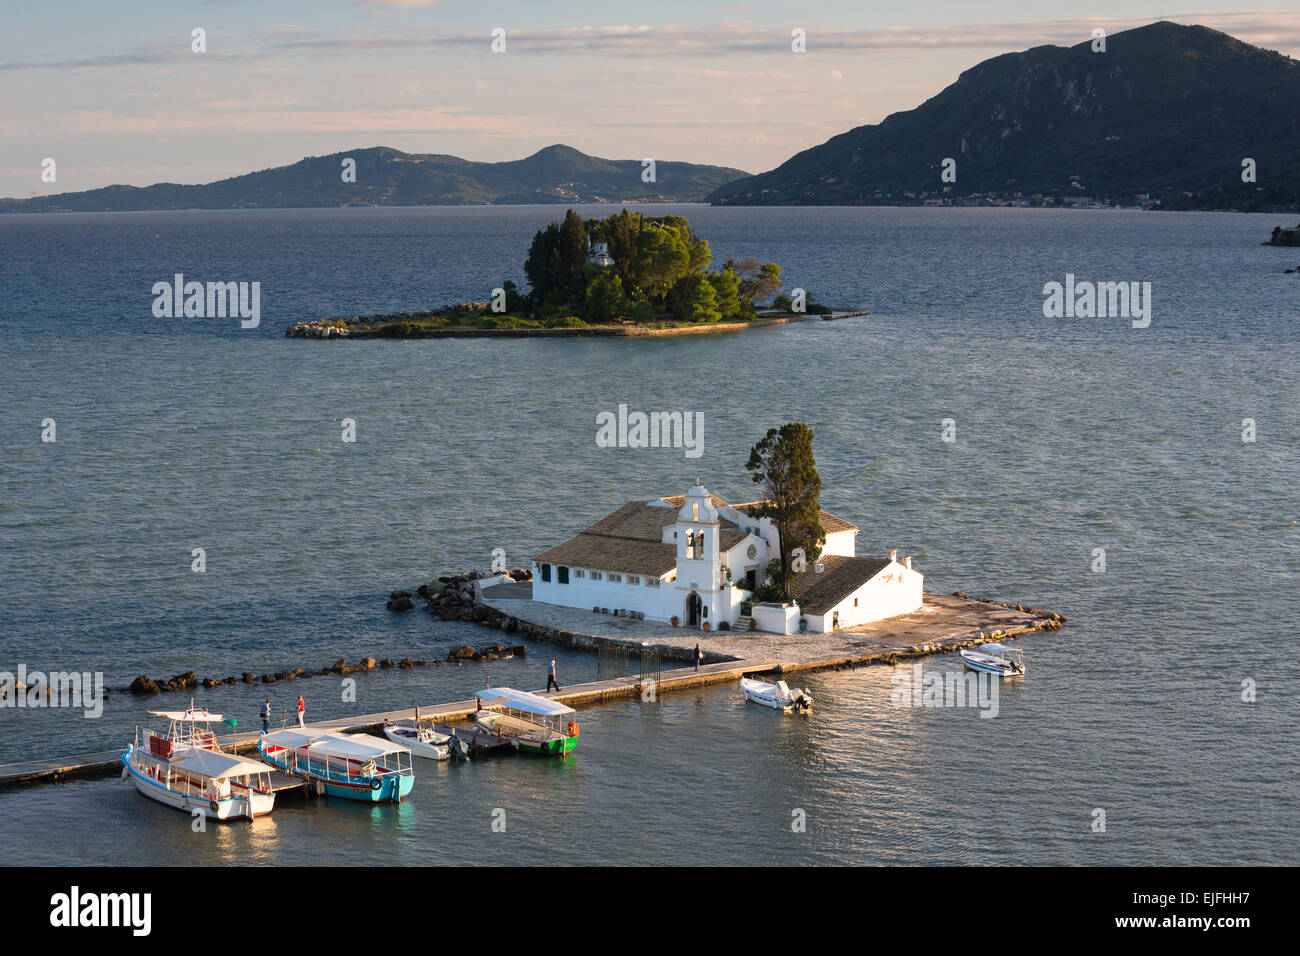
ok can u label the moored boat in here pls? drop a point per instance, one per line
(996, 659)
(778, 695)
(530, 722)
(187, 770)
(424, 741)
(352, 766)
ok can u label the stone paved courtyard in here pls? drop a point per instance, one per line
(943, 622)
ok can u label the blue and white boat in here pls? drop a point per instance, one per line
(352, 766)
(996, 659)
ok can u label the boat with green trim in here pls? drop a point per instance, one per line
(529, 722)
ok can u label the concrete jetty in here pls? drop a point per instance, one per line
(946, 623)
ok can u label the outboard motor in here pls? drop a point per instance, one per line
(457, 747)
(803, 700)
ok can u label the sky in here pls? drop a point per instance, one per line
(114, 92)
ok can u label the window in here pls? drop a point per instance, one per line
(614, 578)
(652, 582)
(595, 575)
(563, 575)
(633, 579)
(579, 573)
(546, 572)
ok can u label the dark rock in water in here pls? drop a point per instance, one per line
(211, 682)
(143, 685)
(1284, 237)
(367, 664)
(339, 665)
(422, 591)
(456, 653)
(387, 662)
(400, 604)
(249, 677)
(405, 663)
(184, 681)
(229, 680)
(510, 625)
(480, 614)
(399, 593)
(268, 678)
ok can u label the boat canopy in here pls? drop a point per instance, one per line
(523, 701)
(997, 648)
(355, 746)
(218, 765)
(186, 715)
(294, 737)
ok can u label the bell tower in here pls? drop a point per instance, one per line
(698, 558)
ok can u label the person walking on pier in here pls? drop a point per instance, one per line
(266, 717)
(550, 679)
(302, 709)
(699, 656)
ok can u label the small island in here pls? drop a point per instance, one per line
(627, 274)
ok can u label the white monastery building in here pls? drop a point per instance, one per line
(696, 558)
(599, 254)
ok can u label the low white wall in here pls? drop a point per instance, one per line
(777, 618)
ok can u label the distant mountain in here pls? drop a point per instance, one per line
(1166, 110)
(390, 177)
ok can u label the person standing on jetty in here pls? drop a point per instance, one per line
(699, 656)
(266, 717)
(302, 709)
(550, 679)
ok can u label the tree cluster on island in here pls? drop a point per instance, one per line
(659, 273)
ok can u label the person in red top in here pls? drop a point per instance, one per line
(302, 709)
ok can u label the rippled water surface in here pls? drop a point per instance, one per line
(1072, 435)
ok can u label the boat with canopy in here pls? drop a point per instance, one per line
(186, 769)
(352, 766)
(998, 659)
(530, 722)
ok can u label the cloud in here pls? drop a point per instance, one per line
(1273, 29)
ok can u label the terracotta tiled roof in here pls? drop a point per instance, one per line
(830, 522)
(630, 540)
(818, 593)
(604, 553)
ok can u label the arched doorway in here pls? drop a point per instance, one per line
(693, 604)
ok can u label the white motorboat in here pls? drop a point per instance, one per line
(187, 770)
(778, 696)
(424, 741)
(997, 659)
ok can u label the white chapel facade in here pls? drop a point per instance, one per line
(697, 558)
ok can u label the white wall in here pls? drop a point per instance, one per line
(777, 618)
(657, 604)
(894, 590)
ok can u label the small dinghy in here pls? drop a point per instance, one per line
(424, 741)
(997, 659)
(777, 696)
